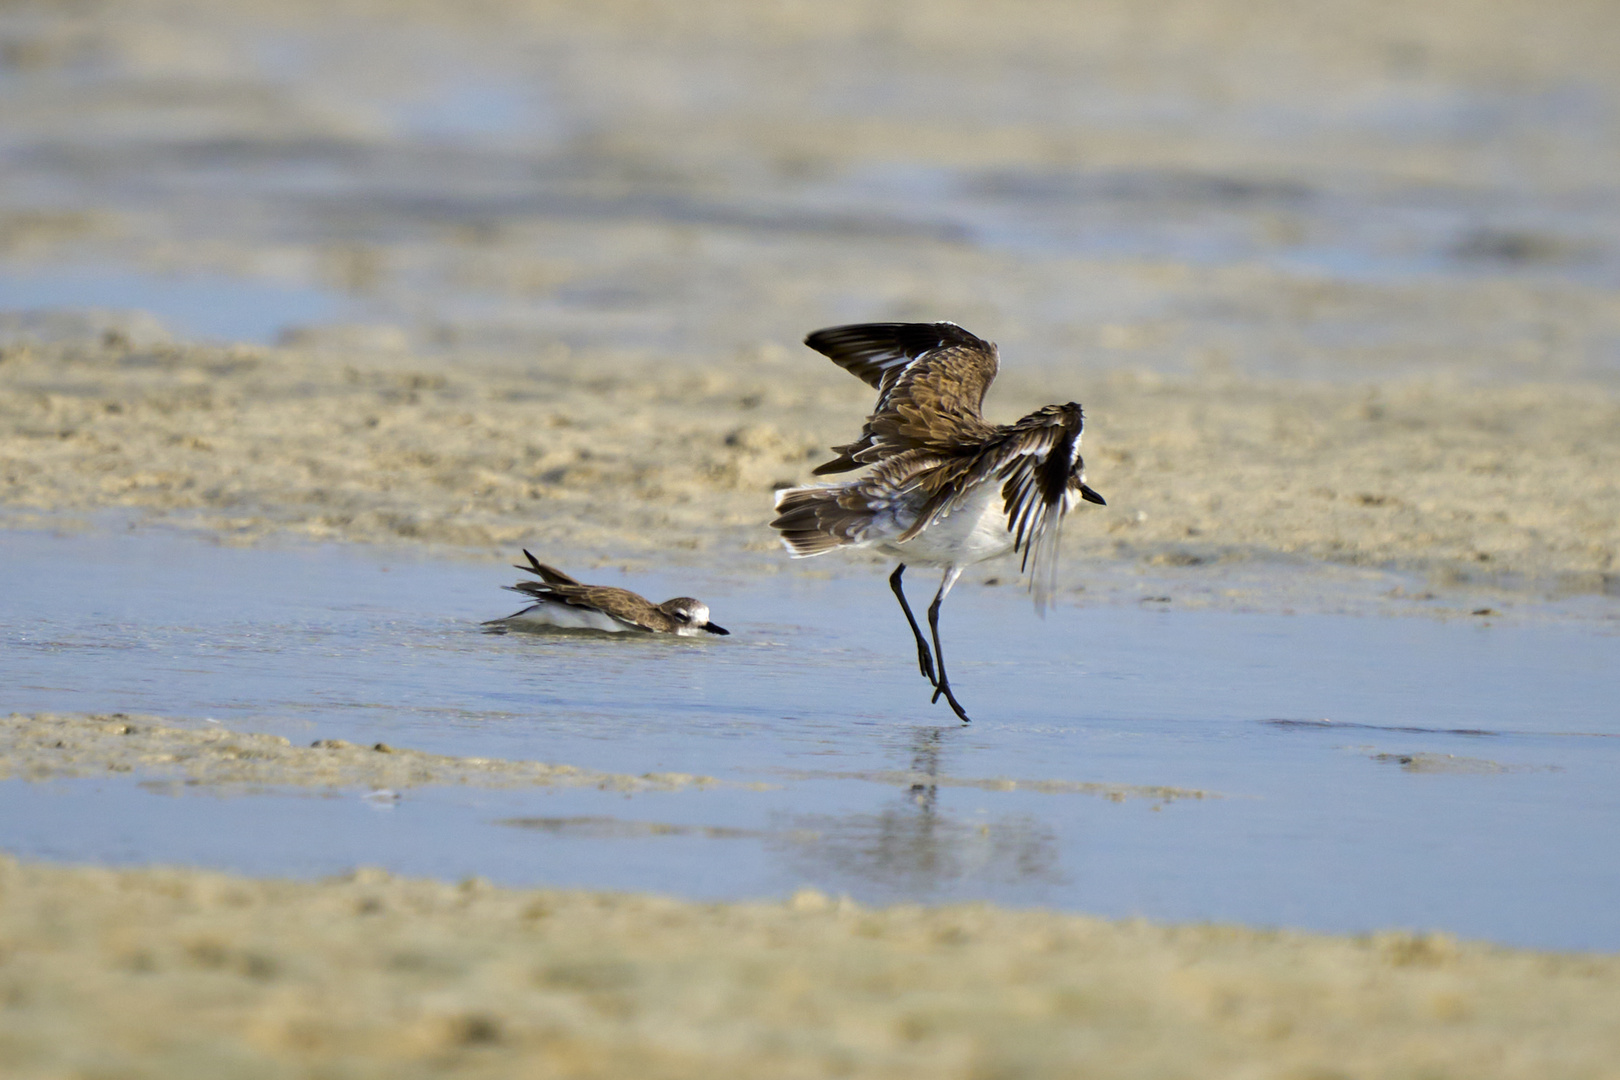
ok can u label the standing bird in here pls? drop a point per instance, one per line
(946, 488)
(561, 603)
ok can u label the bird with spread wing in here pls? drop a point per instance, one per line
(944, 488)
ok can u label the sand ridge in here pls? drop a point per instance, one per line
(159, 751)
(42, 746)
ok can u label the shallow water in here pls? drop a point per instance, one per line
(199, 307)
(1320, 741)
(1372, 237)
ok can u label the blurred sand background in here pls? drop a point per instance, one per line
(1339, 285)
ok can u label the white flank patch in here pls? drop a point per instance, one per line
(567, 617)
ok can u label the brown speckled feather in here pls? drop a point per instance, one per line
(620, 603)
(931, 380)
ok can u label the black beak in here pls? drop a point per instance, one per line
(713, 629)
(1091, 496)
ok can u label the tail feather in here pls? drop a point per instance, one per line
(550, 575)
(813, 520)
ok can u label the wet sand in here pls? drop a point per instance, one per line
(45, 746)
(177, 973)
(161, 754)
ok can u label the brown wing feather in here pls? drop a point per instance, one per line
(619, 603)
(931, 380)
(873, 352)
(813, 520)
(1037, 461)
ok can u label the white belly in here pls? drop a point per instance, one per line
(975, 532)
(550, 615)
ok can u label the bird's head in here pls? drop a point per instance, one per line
(693, 616)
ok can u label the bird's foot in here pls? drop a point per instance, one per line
(944, 688)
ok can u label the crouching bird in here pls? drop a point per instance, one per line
(561, 603)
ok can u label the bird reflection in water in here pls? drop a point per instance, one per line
(913, 849)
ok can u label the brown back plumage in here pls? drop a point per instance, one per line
(672, 616)
(619, 603)
(931, 380)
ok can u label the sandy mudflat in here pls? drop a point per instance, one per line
(1516, 484)
(178, 974)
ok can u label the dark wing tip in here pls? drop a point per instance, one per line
(871, 351)
(913, 339)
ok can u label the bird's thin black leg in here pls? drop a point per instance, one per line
(943, 684)
(925, 661)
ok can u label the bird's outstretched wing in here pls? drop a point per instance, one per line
(931, 380)
(1038, 465)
